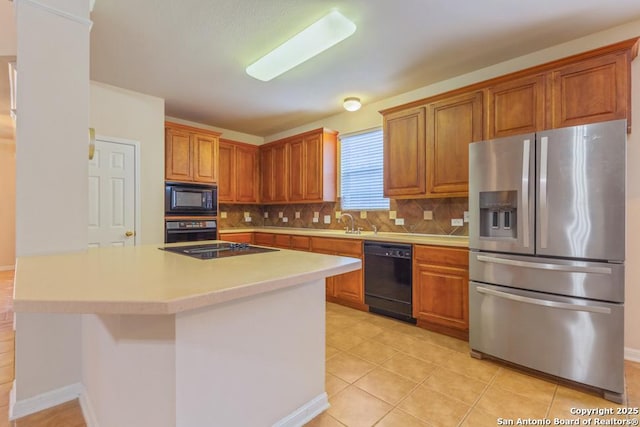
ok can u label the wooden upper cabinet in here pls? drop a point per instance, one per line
(296, 170)
(266, 175)
(591, 90)
(404, 153)
(247, 174)
(190, 154)
(226, 172)
(452, 123)
(179, 160)
(281, 173)
(274, 175)
(238, 172)
(516, 106)
(303, 168)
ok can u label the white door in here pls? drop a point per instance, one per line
(112, 215)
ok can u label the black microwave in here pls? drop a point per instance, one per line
(190, 199)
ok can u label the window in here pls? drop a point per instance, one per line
(361, 171)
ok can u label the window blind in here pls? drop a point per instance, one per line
(361, 171)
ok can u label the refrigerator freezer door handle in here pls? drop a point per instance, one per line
(525, 193)
(545, 266)
(545, 303)
(544, 214)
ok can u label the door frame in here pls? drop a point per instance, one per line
(136, 177)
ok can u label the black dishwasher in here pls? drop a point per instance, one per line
(387, 279)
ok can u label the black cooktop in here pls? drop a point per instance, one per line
(216, 250)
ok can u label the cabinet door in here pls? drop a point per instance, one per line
(266, 175)
(205, 151)
(302, 243)
(516, 106)
(265, 239)
(280, 173)
(452, 124)
(591, 91)
(313, 173)
(226, 172)
(282, 241)
(349, 286)
(178, 155)
(404, 153)
(297, 168)
(246, 166)
(441, 296)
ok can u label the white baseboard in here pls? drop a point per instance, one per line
(7, 267)
(632, 354)
(87, 410)
(52, 398)
(305, 413)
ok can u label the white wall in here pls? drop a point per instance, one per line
(51, 177)
(368, 117)
(131, 115)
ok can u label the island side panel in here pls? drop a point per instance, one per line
(129, 369)
(253, 362)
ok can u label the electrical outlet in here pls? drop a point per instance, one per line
(466, 216)
(315, 219)
(457, 222)
(428, 215)
(399, 221)
(363, 214)
(338, 214)
(280, 214)
(247, 219)
(327, 219)
(316, 215)
(247, 214)
(392, 214)
(285, 219)
(297, 214)
(223, 215)
(266, 215)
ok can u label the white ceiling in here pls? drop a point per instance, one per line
(193, 53)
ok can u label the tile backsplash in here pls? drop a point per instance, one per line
(412, 211)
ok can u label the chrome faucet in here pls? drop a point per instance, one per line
(347, 229)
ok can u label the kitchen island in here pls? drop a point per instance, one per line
(169, 340)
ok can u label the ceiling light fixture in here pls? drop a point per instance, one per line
(318, 37)
(352, 103)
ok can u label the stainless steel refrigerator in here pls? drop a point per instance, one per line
(547, 240)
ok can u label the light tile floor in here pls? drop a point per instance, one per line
(391, 374)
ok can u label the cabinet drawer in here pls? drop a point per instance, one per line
(441, 256)
(301, 243)
(337, 246)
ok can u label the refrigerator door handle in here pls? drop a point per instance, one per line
(543, 302)
(545, 266)
(525, 193)
(544, 214)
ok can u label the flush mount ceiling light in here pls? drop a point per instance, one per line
(318, 37)
(352, 103)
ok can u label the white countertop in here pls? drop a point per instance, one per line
(146, 280)
(413, 238)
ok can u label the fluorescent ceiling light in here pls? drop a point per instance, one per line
(318, 37)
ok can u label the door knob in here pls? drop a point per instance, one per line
(130, 233)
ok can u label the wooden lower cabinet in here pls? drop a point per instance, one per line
(264, 239)
(237, 237)
(348, 288)
(441, 289)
